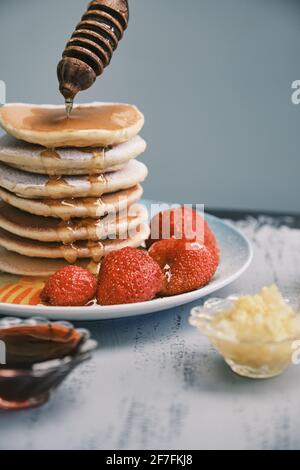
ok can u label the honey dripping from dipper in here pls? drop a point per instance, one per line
(91, 47)
(69, 106)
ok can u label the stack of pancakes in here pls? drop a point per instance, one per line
(69, 187)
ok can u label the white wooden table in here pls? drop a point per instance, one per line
(155, 383)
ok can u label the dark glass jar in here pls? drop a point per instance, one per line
(36, 355)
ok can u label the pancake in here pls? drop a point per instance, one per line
(14, 263)
(33, 185)
(90, 125)
(80, 207)
(48, 229)
(94, 250)
(68, 161)
(66, 209)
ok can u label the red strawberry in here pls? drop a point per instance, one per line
(182, 223)
(187, 266)
(128, 275)
(70, 286)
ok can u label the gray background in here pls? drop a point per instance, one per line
(213, 78)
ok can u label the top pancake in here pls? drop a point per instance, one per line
(90, 125)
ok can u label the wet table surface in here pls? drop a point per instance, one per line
(155, 383)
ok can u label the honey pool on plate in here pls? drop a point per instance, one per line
(20, 290)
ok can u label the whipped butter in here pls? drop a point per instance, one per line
(256, 334)
(264, 317)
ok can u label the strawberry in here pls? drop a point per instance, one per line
(182, 223)
(127, 276)
(186, 266)
(70, 286)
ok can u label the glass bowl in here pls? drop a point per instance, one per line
(253, 359)
(24, 387)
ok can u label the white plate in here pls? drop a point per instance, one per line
(236, 255)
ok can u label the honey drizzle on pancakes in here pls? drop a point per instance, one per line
(55, 181)
(46, 156)
(96, 164)
(112, 117)
(91, 204)
(65, 230)
(70, 252)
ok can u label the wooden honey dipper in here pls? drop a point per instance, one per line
(91, 46)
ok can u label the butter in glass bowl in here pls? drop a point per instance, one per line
(255, 334)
